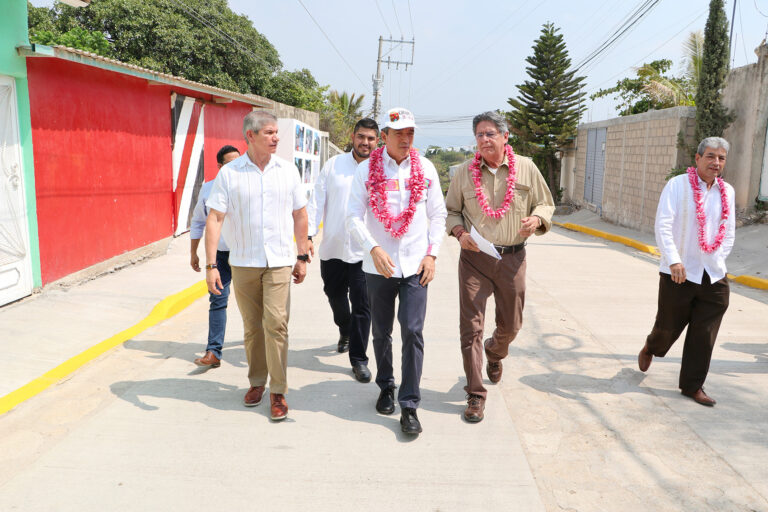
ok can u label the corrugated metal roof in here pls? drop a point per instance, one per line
(92, 59)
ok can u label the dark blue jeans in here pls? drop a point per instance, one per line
(217, 313)
(382, 293)
(344, 285)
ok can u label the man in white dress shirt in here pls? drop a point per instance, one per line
(261, 196)
(341, 258)
(693, 288)
(217, 312)
(401, 238)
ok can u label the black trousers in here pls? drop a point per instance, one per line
(700, 307)
(344, 285)
(410, 314)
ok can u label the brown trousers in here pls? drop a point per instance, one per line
(263, 297)
(480, 276)
(699, 306)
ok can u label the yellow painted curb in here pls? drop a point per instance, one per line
(164, 309)
(650, 249)
(751, 281)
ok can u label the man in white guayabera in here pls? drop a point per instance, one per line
(695, 230)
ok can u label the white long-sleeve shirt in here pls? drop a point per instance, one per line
(329, 205)
(259, 205)
(200, 214)
(424, 235)
(677, 229)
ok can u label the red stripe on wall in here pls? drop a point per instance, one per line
(186, 156)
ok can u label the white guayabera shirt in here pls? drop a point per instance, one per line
(425, 233)
(329, 205)
(259, 206)
(677, 229)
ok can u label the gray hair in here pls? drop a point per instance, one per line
(256, 120)
(492, 117)
(714, 143)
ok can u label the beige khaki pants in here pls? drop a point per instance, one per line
(263, 297)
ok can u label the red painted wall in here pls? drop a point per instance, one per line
(223, 125)
(102, 154)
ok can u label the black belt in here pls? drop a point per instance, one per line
(505, 249)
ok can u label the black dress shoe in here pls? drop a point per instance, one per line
(386, 402)
(343, 344)
(362, 373)
(409, 422)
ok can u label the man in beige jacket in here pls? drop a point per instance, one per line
(505, 199)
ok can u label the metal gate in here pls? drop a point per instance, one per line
(593, 179)
(15, 261)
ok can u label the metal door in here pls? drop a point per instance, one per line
(595, 168)
(15, 261)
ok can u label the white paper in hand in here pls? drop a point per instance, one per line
(483, 244)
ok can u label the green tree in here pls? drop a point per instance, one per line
(712, 118)
(443, 159)
(546, 113)
(341, 113)
(76, 37)
(652, 89)
(177, 38)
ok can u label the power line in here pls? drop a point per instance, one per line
(637, 15)
(410, 15)
(398, 20)
(648, 54)
(382, 17)
(331, 42)
(758, 10)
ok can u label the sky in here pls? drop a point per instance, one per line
(469, 57)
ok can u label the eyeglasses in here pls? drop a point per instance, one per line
(490, 135)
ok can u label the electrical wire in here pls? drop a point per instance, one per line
(758, 10)
(642, 59)
(383, 18)
(398, 20)
(410, 15)
(333, 45)
(743, 39)
(625, 29)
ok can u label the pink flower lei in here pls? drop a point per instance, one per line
(378, 192)
(701, 218)
(511, 179)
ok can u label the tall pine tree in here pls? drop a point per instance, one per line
(546, 113)
(712, 118)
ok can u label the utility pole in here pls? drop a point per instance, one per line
(378, 79)
(733, 18)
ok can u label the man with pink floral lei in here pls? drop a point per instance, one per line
(397, 214)
(504, 197)
(695, 230)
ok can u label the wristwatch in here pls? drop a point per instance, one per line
(303, 257)
(211, 266)
(309, 238)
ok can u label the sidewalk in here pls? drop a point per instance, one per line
(747, 263)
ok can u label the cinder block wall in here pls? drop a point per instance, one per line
(640, 151)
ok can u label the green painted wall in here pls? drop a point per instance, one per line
(13, 33)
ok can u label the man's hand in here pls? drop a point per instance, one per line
(383, 263)
(427, 270)
(299, 271)
(310, 250)
(194, 261)
(213, 280)
(467, 243)
(678, 273)
(529, 226)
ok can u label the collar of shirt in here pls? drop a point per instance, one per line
(244, 161)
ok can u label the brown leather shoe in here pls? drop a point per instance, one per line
(700, 396)
(475, 407)
(279, 408)
(493, 369)
(253, 396)
(644, 359)
(208, 360)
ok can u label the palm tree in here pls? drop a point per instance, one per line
(342, 112)
(672, 92)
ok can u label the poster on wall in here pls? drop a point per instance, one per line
(308, 141)
(307, 171)
(316, 146)
(303, 145)
(299, 165)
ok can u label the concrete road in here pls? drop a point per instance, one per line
(572, 426)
